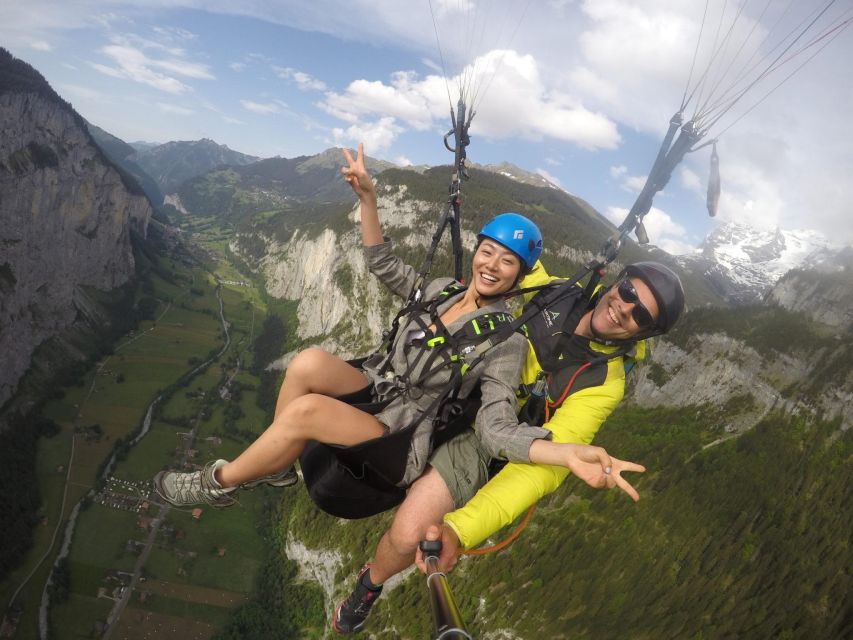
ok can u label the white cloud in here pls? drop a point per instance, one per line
(550, 178)
(618, 171)
(175, 33)
(520, 102)
(553, 162)
(303, 81)
(662, 230)
(83, 92)
(633, 57)
(444, 8)
(133, 64)
(41, 45)
(184, 68)
(747, 195)
(659, 224)
(231, 120)
(237, 66)
(517, 103)
(676, 247)
(634, 183)
(174, 109)
(377, 136)
(402, 161)
(405, 99)
(690, 180)
(260, 108)
(429, 64)
(137, 41)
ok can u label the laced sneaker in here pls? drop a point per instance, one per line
(285, 478)
(195, 487)
(352, 611)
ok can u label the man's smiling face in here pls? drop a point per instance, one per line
(614, 318)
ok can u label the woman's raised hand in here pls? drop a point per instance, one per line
(355, 173)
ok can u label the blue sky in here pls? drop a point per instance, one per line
(580, 92)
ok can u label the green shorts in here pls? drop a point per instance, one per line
(463, 464)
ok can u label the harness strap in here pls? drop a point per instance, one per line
(414, 308)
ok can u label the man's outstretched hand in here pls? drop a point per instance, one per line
(591, 464)
(450, 548)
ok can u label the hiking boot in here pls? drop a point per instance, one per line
(195, 487)
(285, 478)
(352, 611)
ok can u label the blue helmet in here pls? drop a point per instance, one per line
(518, 234)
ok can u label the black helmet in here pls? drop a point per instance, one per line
(666, 288)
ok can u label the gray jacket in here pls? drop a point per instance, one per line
(496, 424)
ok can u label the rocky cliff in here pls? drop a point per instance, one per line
(823, 292)
(66, 215)
(341, 306)
(793, 354)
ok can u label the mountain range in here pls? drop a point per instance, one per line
(738, 263)
(743, 263)
(741, 413)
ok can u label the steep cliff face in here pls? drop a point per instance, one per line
(341, 306)
(823, 292)
(65, 221)
(726, 372)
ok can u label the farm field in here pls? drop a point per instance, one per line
(198, 568)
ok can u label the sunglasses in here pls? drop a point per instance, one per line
(640, 314)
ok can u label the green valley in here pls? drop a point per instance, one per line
(202, 564)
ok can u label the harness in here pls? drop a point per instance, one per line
(362, 480)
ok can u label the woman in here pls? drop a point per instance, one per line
(410, 378)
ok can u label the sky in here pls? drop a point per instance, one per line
(580, 92)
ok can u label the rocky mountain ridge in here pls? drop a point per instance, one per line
(124, 156)
(66, 215)
(173, 163)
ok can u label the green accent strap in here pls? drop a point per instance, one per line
(453, 287)
(432, 342)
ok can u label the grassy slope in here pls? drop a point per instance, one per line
(746, 539)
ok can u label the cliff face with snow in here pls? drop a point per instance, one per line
(65, 221)
(742, 263)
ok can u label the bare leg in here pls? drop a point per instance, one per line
(425, 504)
(316, 371)
(308, 417)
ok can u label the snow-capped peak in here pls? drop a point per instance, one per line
(738, 247)
(743, 263)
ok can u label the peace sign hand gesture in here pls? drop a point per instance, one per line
(356, 174)
(591, 464)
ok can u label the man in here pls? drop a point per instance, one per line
(645, 301)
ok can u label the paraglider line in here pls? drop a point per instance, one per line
(440, 55)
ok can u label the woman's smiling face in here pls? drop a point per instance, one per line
(494, 268)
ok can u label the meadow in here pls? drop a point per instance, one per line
(222, 550)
